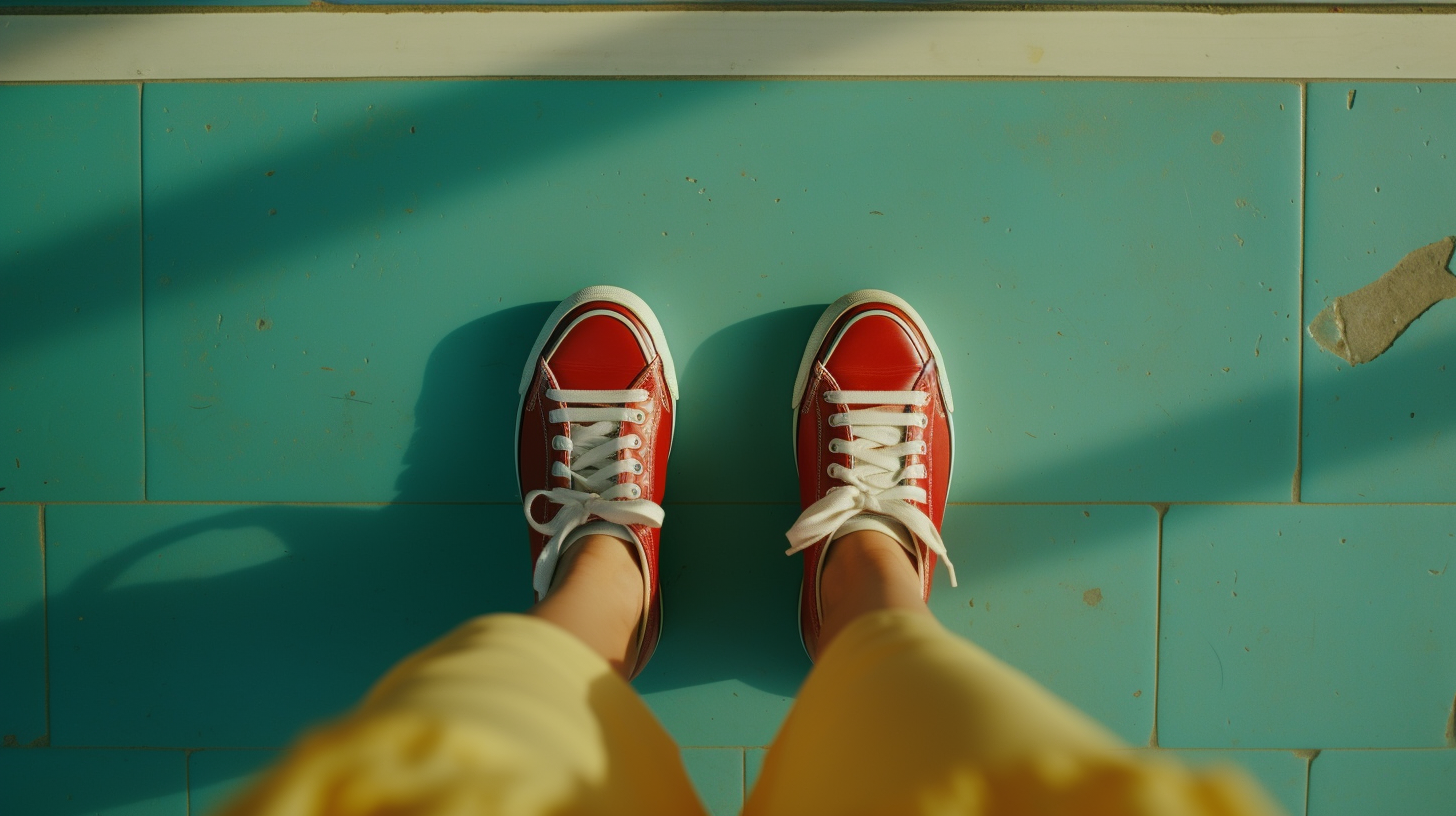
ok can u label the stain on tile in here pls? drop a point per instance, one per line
(1067, 597)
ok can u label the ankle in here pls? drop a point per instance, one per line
(607, 568)
(597, 596)
(866, 572)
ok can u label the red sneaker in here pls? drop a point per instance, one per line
(594, 430)
(873, 438)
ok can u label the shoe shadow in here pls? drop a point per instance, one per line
(225, 626)
(215, 625)
(730, 660)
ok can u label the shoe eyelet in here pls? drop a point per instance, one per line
(636, 467)
(635, 491)
(834, 420)
(641, 416)
(635, 443)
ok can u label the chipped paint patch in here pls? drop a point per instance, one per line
(1360, 326)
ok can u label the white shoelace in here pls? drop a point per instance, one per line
(594, 428)
(875, 484)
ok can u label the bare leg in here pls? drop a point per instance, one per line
(597, 596)
(866, 572)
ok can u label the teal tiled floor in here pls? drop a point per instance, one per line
(1376, 172)
(266, 441)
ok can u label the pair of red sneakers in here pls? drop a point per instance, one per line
(872, 435)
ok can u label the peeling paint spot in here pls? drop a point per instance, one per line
(1217, 137)
(1092, 597)
(1350, 100)
(1451, 726)
(264, 324)
(1360, 326)
(1034, 54)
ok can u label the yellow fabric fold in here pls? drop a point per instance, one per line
(511, 715)
(902, 718)
(506, 715)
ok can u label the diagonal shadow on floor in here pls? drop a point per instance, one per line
(299, 633)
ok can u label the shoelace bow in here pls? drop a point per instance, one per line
(876, 482)
(594, 428)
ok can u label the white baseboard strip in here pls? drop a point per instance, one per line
(334, 44)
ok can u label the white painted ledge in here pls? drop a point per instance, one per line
(319, 45)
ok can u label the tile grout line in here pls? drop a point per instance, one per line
(1309, 757)
(187, 782)
(1297, 494)
(142, 280)
(45, 619)
(743, 779)
(1162, 510)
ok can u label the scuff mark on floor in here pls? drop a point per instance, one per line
(1451, 726)
(1360, 326)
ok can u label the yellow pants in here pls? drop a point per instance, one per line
(512, 715)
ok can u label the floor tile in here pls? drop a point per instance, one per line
(730, 660)
(202, 626)
(70, 293)
(1307, 626)
(1067, 595)
(297, 230)
(752, 765)
(214, 777)
(62, 782)
(1283, 774)
(22, 627)
(1363, 783)
(717, 774)
(1377, 164)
